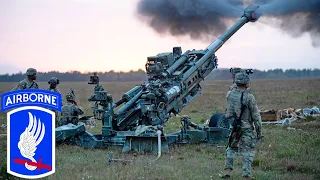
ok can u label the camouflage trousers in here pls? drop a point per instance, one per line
(243, 142)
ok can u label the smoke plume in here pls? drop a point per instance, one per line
(205, 19)
(295, 17)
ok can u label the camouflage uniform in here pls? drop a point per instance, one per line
(28, 83)
(234, 86)
(70, 111)
(53, 82)
(95, 78)
(244, 140)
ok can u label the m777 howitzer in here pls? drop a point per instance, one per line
(173, 82)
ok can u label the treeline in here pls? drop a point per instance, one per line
(223, 74)
(140, 75)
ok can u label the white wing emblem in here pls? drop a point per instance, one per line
(29, 140)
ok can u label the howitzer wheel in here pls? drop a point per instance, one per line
(218, 120)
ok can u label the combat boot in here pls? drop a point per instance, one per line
(227, 174)
(248, 177)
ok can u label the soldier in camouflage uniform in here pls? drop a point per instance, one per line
(94, 79)
(70, 111)
(244, 140)
(29, 82)
(53, 83)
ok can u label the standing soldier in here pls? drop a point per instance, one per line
(29, 82)
(70, 111)
(53, 83)
(242, 107)
(94, 79)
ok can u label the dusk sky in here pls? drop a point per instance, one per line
(103, 35)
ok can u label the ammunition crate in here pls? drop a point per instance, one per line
(271, 115)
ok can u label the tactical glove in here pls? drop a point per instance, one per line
(259, 136)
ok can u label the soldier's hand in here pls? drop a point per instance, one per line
(259, 136)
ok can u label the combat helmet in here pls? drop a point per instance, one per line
(31, 71)
(70, 97)
(54, 81)
(241, 78)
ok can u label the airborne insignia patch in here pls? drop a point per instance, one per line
(31, 132)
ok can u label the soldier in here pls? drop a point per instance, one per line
(53, 83)
(70, 110)
(94, 79)
(242, 107)
(29, 82)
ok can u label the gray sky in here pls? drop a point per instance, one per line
(100, 35)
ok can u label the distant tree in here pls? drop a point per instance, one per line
(140, 75)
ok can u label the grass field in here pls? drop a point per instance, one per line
(283, 153)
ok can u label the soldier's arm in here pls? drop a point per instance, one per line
(80, 110)
(21, 85)
(228, 114)
(36, 86)
(255, 114)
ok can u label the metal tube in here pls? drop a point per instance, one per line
(130, 94)
(213, 47)
(224, 37)
(178, 63)
(159, 144)
(129, 104)
(119, 102)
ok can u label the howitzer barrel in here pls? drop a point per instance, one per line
(249, 15)
(213, 47)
